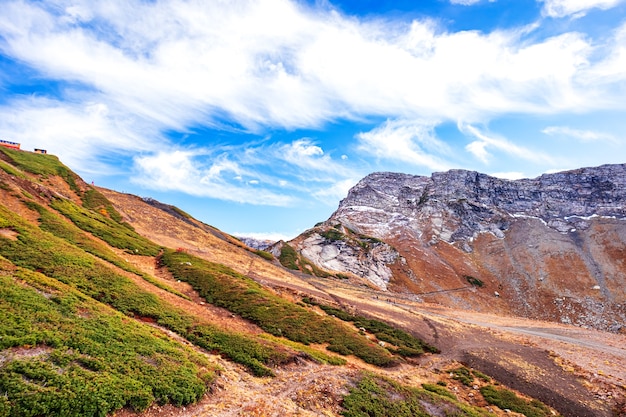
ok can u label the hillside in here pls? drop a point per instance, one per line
(549, 248)
(116, 305)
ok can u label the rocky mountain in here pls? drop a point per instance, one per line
(553, 247)
(112, 304)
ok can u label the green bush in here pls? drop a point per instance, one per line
(94, 200)
(505, 399)
(112, 232)
(333, 235)
(289, 257)
(474, 281)
(265, 255)
(463, 375)
(63, 229)
(406, 344)
(438, 389)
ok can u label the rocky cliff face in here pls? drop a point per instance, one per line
(553, 247)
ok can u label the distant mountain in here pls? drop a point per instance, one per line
(260, 244)
(553, 247)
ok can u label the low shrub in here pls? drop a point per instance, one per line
(375, 396)
(463, 375)
(506, 399)
(112, 232)
(87, 359)
(223, 287)
(405, 344)
(438, 389)
(265, 255)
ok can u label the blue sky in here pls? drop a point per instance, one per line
(258, 116)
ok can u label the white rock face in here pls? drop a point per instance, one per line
(349, 256)
(458, 205)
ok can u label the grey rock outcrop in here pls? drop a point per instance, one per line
(457, 205)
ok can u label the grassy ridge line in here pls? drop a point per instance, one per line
(38, 250)
(91, 360)
(43, 165)
(226, 288)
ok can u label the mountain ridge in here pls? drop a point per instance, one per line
(114, 304)
(519, 239)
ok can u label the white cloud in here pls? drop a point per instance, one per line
(81, 132)
(184, 171)
(582, 135)
(336, 191)
(513, 175)
(409, 141)
(479, 147)
(310, 160)
(274, 63)
(240, 174)
(575, 8)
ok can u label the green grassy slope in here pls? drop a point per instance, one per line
(74, 334)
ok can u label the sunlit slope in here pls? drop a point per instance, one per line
(87, 330)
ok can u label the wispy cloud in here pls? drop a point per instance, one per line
(578, 134)
(575, 8)
(484, 142)
(413, 142)
(239, 173)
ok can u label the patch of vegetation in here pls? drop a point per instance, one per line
(505, 399)
(94, 200)
(9, 169)
(481, 376)
(314, 354)
(374, 396)
(333, 235)
(463, 375)
(86, 360)
(223, 287)
(72, 234)
(289, 257)
(109, 230)
(181, 212)
(4, 186)
(405, 344)
(43, 165)
(438, 389)
(474, 281)
(41, 251)
(265, 255)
